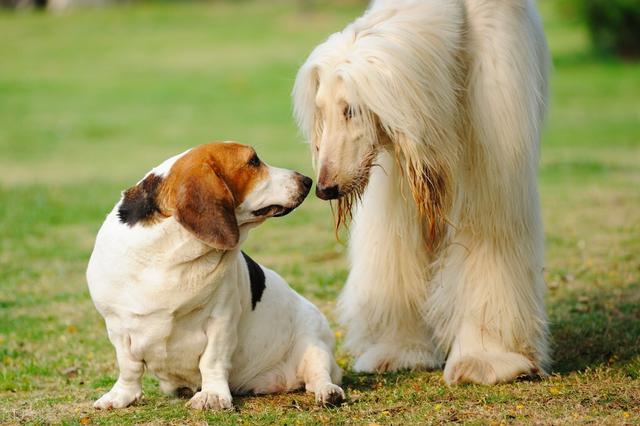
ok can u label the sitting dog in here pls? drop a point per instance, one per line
(180, 299)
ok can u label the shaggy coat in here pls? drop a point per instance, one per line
(424, 120)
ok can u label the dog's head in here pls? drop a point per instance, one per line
(212, 190)
(344, 134)
(379, 86)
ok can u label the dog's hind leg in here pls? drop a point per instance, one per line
(489, 304)
(490, 313)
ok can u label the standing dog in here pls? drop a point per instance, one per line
(180, 299)
(447, 97)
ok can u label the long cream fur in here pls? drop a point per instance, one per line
(446, 245)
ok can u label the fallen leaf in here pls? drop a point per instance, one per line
(71, 371)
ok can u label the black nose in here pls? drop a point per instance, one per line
(328, 193)
(307, 182)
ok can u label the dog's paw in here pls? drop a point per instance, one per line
(207, 400)
(488, 368)
(374, 360)
(382, 359)
(470, 369)
(330, 395)
(116, 398)
(366, 363)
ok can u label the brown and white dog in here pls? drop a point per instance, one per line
(181, 299)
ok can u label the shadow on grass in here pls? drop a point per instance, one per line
(597, 328)
(305, 401)
(367, 382)
(588, 330)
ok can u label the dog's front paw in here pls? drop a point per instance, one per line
(330, 394)
(470, 369)
(117, 398)
(372, 362)
(386, 358)
(207, 400)
(488, 368)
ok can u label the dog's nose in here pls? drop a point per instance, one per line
(327, 193)
(307, 182)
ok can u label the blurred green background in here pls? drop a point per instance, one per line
(92, 98)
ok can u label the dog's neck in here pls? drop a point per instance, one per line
(163, 244)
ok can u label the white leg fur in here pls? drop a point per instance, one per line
(381, 304)
(215, 362)
(487, 305)
(128, 387)
(320, 373)
(475, 358)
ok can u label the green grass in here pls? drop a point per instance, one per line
(90, 100)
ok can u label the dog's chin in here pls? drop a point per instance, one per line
(273, 210)
(262, 214)
(355, 188)
(279, 210)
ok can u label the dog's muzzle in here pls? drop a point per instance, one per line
(327, 192)
(276, 210)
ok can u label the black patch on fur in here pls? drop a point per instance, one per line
(139, 202)
(256, 276)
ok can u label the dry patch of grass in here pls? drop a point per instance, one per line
(73, 133)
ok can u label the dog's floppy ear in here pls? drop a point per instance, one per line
(305, 111)
(205, 206)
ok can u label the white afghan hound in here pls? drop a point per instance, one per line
(424, 118)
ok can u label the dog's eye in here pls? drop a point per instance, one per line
(348, 112)
(254, 161)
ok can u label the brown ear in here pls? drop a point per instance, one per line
(205, 206)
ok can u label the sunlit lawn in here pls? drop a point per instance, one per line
(91, 100)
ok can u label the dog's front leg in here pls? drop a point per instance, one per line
(128, 387)
(215, 362)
